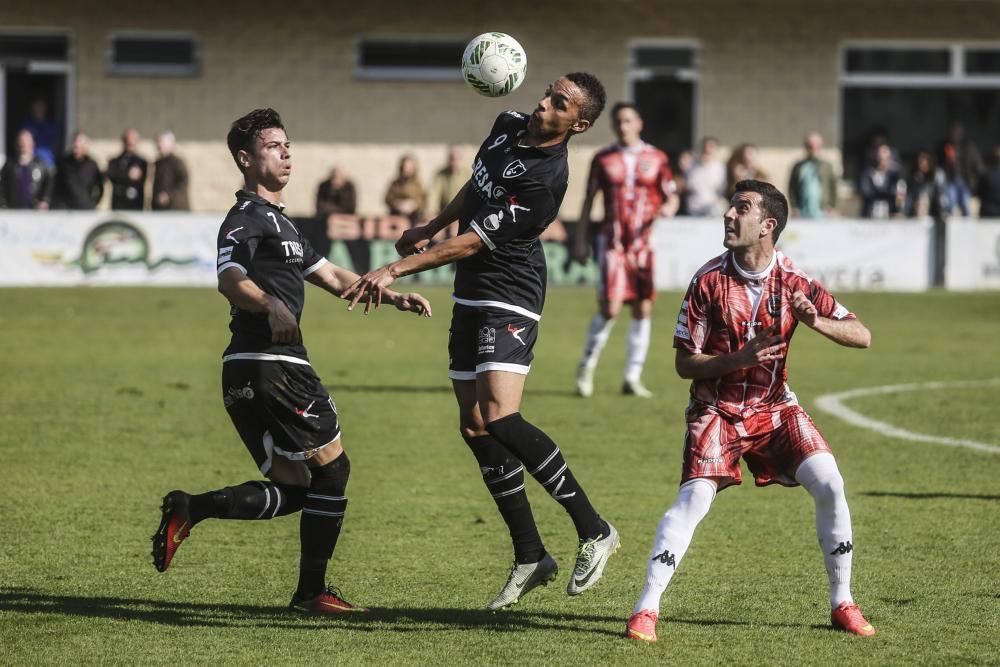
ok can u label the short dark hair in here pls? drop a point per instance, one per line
(773, 203)
(619, 106)
(592, 107)
(245, 130)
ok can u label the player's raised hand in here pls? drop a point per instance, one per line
(414, 303)
(284, 328)
(763, 349)
(412, 241)
(803, 309)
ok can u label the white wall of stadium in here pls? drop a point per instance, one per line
(96, 248)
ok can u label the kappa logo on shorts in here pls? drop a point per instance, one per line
(711, 459)
(514, 169)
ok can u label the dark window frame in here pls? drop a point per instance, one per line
(190, 68)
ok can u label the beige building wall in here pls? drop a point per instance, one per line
(769, 74)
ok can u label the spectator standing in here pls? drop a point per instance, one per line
(926, 189)
(335, 195)
(962, 165)
(812, 188)
(79, 183)
(743, 165)
(170, 176)
(26, 181)
(127, 174)
(989, 187)
(705, 181)
(42, 130)
(405, 195)
(447, 181)
(881, 188)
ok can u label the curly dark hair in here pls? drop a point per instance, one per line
(244, 130)
(592, 107)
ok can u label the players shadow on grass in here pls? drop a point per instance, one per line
(334, 388)
(928, 496)
(201, 614)
(198, 614)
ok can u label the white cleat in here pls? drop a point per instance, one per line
(585, 382)
(636, 388)
(523, 578)
(590, 561)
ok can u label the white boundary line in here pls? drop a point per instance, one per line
(833, 404)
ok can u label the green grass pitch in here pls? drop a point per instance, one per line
(111, 397)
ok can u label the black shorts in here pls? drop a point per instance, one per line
(278, 407)
(489, 339)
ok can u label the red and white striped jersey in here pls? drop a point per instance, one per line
(634, 183)
(725, 307)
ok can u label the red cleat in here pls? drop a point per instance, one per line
(642, 626)
(327, 602)
(174, 528)
(848, 617)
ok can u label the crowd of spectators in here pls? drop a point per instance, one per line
(33, 178)
(935, 183)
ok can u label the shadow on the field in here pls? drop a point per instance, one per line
(431, 389)
(928, 496)
(198, 614)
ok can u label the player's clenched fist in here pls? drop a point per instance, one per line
(804, 309)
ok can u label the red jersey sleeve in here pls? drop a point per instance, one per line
(667, 185)
(691, 331)
(826, 305)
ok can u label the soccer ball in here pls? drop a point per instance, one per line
(494, 64)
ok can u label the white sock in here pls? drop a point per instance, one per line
(597, 338)
(638, 346)
(821, 478)
(673, 536)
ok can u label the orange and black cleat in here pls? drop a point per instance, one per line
(174, 528)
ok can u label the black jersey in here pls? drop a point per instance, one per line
(514, 193)
(260, 241)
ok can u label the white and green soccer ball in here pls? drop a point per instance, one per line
(494, 64)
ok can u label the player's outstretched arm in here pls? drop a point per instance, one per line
(336, 279)
(374, 283)
(246, 295)
(759, 350)
(847, 332)
(416, 239)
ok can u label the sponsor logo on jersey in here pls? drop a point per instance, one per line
(515, 114)
(514, 169)
(515, 207)
(492, 221)
(483, 183)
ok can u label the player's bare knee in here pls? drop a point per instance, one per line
(326, 453)
(472, 430)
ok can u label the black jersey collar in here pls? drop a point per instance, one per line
(257, 199)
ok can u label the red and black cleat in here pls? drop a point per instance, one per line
(174, 528)
(329, 601)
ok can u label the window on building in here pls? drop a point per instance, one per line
(911, 94)
(154, 54)
(663, 82)
(409, 58)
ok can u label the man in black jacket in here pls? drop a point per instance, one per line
(79, 183)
